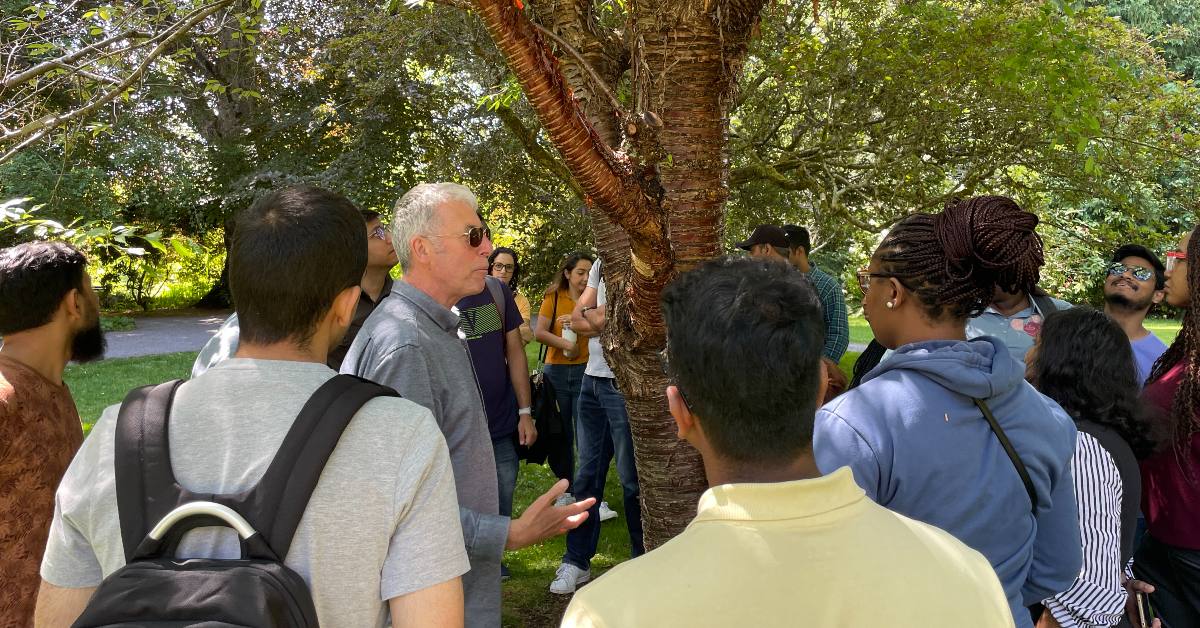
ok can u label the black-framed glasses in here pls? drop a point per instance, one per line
(474, 235)
(1141, 273)
(666, 369)
(379, 233)
(497, 267)
(865, 276)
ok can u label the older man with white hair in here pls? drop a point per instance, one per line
(412, 343)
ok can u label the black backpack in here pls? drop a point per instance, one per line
(155, 589)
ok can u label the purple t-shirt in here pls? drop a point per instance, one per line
(480, 323)
(1145, 352)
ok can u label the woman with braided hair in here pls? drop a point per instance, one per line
(1169, 555)
(928, 431)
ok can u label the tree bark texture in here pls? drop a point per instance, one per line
(658, 198)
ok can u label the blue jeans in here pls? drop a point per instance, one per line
(507, 463)
(566, 380)
(603, 431)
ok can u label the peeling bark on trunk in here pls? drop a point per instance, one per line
(664, 213)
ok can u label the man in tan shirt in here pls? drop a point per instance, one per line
(49, 315)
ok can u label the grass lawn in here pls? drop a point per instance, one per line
(98, 385)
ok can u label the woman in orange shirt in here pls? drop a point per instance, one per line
(567, 354)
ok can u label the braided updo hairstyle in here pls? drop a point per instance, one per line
(1185, 407)
(954, 260)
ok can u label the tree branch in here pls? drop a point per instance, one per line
(616, 104)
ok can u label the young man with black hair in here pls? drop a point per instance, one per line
(49, 316)
(1133, 285)
(767, 241)
(774, 543)
(829, 291)
(376, 285)
(380, 533)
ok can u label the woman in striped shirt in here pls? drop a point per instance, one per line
(1083, 361)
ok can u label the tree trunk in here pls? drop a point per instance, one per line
(668, 206)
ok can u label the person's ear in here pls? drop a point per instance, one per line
(896, 293)
(1159, 295)
(824, 379)
(685, 421)
(74, 304)
(344, 306)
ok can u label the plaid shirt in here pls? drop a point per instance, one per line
(833, 304)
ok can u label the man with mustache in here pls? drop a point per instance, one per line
(1132, 286)
(49, 315)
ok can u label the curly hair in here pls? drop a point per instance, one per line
(1183, 420)
(954, 260)
(516, 276)
(1085, 363)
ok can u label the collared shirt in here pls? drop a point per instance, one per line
(833, 306)
(224, 343)
(1017, 330)
(414, 344)
(797, 553)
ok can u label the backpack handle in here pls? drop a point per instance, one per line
(199, 509)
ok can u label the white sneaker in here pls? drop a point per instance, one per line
(566, 499)
(607, 513)
(568, 578)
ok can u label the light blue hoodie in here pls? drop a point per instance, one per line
(918, 445)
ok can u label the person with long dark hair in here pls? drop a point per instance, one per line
(1169, 554)
(504, 265)
(946, 430)
(566, 355)
(1083, 360)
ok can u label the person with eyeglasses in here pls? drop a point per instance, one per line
(775, 542)
(506, 266)
(375, 286)
(946, 430)
(414, 342)
(1133, 285)
(1169, 555)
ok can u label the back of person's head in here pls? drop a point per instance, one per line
(798, 238)
(744, 341)
(561, 281)
(516, 273)
(292, 253)
(1137, 250)
(954, 260)
(1083, 361)
(34, 278)
(416, 214)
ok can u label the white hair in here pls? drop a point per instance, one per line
(416, 213)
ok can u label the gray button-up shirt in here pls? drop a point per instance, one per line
(413, 344)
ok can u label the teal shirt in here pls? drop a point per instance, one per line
(1017, 331)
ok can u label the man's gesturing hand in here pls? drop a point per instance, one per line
(543, 519)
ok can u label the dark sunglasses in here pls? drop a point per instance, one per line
(475, 235)
(1141, 273)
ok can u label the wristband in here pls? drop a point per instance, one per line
(525, 410)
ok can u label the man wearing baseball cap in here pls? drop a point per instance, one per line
(767, 241)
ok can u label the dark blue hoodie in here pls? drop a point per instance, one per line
(918, 445)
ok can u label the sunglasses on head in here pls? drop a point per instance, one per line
(1141, 273)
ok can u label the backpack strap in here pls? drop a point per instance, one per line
(147, 489)
(1044, 304)
(1011, 451)
(146, 486)
(493, 286)
(276, 505)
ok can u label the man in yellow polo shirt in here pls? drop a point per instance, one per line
(774, 543)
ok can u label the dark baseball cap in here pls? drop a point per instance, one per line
(766, 234)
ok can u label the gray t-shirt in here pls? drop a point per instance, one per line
(413, 344)
(381, 522)
(597, 366)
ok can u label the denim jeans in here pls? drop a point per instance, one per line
(566, 380)
(507, 463)
(603, 430)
